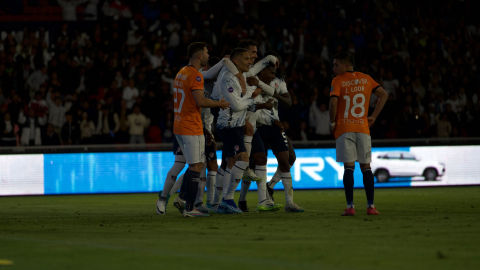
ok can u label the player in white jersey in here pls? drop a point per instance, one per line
(172, 184)
(271, 131)
(248, 128)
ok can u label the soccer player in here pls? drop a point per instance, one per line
(349, 99)
(172, 184)
(230, 127)
(188, 128)
(271, 132)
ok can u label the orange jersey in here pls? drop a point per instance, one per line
(188, 120)
(353, 90)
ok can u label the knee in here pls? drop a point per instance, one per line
(242, 157)
(196, 167)
(248, 129)
(212, 166)
(260, 159)
(364, 166)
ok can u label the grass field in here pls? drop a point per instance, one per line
(419, 228)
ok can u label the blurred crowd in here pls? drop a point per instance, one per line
(106, 75)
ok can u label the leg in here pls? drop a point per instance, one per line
(347, 153)
(212, 167)
(172, 176)
(368, 183)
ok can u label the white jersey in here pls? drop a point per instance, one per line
(231, 90)
(216, 93)
(267, 117)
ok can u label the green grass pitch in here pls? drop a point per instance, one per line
(419, 228)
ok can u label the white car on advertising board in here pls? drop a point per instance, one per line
(386, 165)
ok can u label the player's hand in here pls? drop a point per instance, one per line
(257, 92)
(252, 81)
(371, 120)
(223, 104)
(332, 128)
(269, 104)
(279, 125)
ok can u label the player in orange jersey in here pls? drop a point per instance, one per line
(349, 99)
(188, 126)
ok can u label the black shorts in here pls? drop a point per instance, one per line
(271, 135)
(257, 143)
(177, 151)
(210, 152)
(232, 141)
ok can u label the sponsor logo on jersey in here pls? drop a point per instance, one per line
(354, 82)
(198, 78)
(230, 89)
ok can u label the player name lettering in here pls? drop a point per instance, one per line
(354, 82)
(181, 77)
(179, 83)
(355, 89)
(353, 121)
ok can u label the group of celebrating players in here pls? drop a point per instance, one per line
(241, 94)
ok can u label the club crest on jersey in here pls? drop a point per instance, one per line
(230, 89)
(198, 78)
(211, 155)
(236, 148)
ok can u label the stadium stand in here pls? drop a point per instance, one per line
(111, 55)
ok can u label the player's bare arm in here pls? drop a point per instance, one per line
(382, 98)
(332, 108)
(266, 106)
(284, 99)
(208, 103)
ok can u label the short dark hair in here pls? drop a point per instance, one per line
(236, 52)
(346, 57)
(274, 53)
(212, 61)
(246, 43)
(195, 47)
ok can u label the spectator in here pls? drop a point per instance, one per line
(137, 123)
(37, 78)
(391, 84)
(31, 133)
(39, 105)
(50, 137)
(130, 94)
(320, 121)
(69, 8)
(90, 11)
(70, 130)
(87, 129)
(8, 137)
(122, 135)
(444, 127)
(56, 115)
(455, 103)
(108, 126)
(116, 9)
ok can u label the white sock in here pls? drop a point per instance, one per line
(178, 185)
(218, 186)
(261, 171)
(226, 181)
(235, 178)
(210, 185)
(275, 179)
(201, 185)
(287, 186)
(248, 144)
(172, 176)
(244, 190)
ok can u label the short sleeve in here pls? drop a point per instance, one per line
(373, 84)
(197, 82)
(282, 89)
(335, 89)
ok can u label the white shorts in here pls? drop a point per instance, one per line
(352, 146)
(193, 147)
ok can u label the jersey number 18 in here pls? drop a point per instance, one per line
(355, 105)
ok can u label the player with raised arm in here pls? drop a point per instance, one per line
(188, 127)
(349, 99)
(271, 132)
(172, 184)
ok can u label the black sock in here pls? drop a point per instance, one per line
(183, 188)
(192, 189)
(368, 183)
(348, 183)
